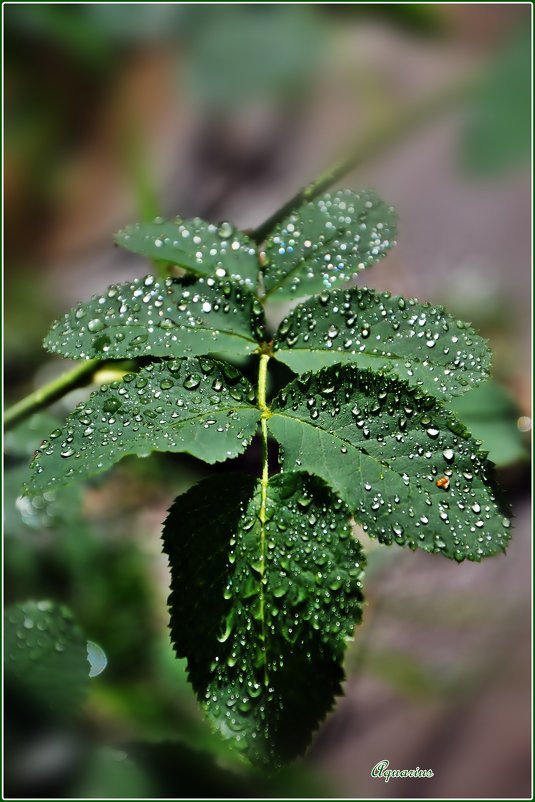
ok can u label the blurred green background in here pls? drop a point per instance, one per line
(118, 112)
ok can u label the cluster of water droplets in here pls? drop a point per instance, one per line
(149, 317)
(198, 405)
(419, 342)
(419, 478)
(196, 245)
(327, 241)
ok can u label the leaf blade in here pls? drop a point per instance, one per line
(197, 406)
(267, 628)
(195, 245)
(415, 341)
(406, 467)
(327, 240)
(152, 318)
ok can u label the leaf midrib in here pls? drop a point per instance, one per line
(186, 328)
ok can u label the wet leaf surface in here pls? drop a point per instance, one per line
(408, 469)
(265, 592)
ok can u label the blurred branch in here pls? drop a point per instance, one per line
(88, 372)
(79, 376)
(388, 131)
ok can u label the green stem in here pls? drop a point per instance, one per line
(386, 132)
(79, 376)
(389, 130)
(264, 481)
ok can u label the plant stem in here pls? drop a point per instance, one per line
(390, 129)
(264, 481)
(262, 376)
(79, 376)
(386, 132)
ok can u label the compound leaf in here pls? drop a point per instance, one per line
(415, 341)
(198, 406)
(265, 591)
(407, 468)
(148, 317)
(195, 245)
(327, 240)
(46, 655)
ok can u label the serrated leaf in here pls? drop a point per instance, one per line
(415, 341)
(407, 468)
(46, 655)
(266, 589)
(151, 318)
(326, 241)
(198, 406)
(195, 245)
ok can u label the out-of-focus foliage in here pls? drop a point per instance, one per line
(499, 136)
(491, 415)
(111, 774)
(252, 53)
(46, 656)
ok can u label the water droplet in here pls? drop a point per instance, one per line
(96, 325)
(192, 381)
(225, 230)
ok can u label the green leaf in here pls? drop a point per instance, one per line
(266, 589)
(46, 655)
(415, 341)
(198, 406)
(383, 447)
(151, 318)
(328, 240)
(498, 136)
(203, 248)
(490, 413)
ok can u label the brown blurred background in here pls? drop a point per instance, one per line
(120, 112)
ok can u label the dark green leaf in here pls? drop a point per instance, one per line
(151, 318)
(198, 406)
(195, 245)
(46, 655)
(266, 589)
(326, 241)
(415, 341)
(383, 448)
